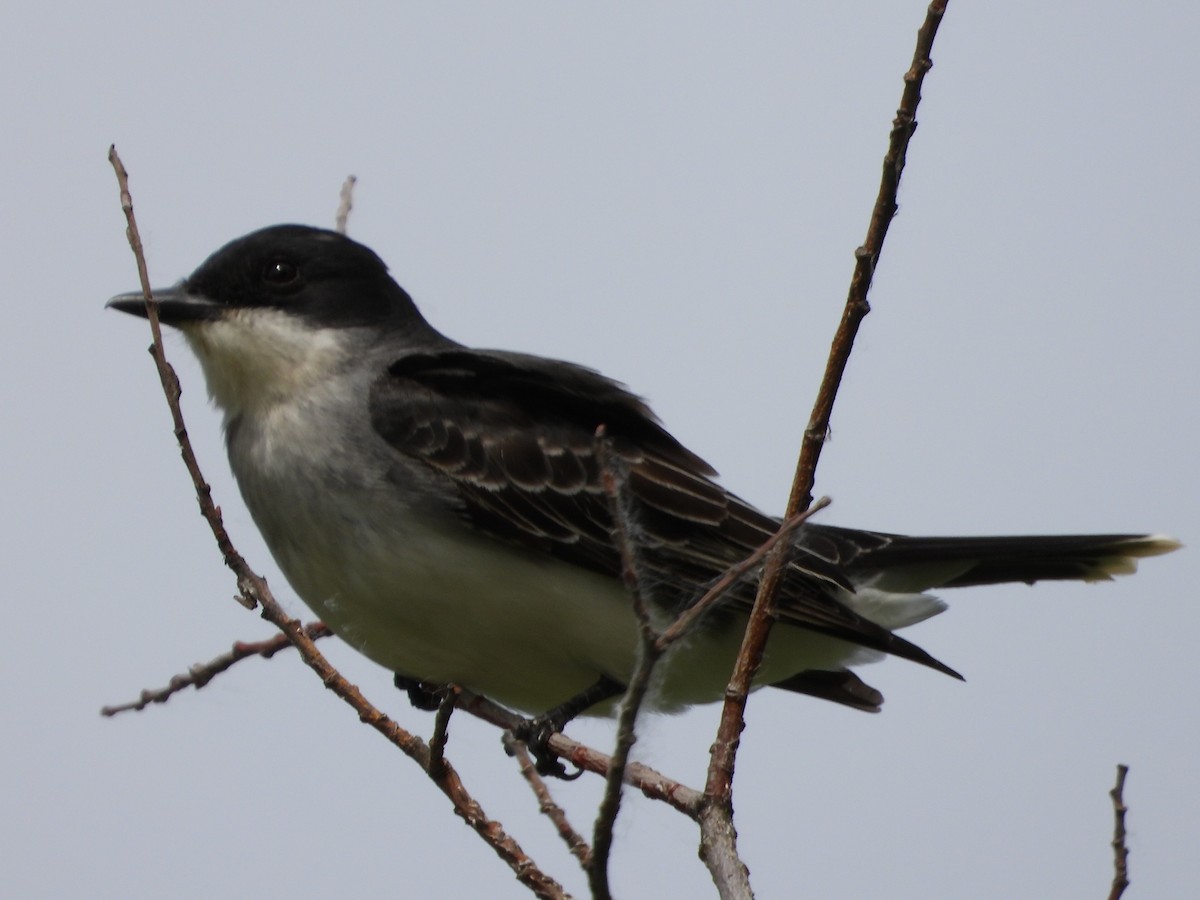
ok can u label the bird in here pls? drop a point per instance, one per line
(442, 508)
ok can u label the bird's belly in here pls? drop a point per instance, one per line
(526, 632)
(436, 603)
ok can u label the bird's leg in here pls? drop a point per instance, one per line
(536, 733)
(421, 694)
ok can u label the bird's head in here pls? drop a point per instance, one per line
(271, 313)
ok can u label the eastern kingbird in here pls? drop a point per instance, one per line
(441, 508)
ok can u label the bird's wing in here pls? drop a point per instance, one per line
(515, 436)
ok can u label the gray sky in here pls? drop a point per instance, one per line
(670, 193)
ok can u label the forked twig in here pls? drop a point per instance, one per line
(718, 838)
(651, 783)
(682, 625)
(253, 591)
(202, 673)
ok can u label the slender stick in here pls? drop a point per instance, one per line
(615, 477)
(202, 673)
(441, 731)
(718, 838)
(1120, 851)
(253, 592)
(573, 839)
(345, 204)
(682, 625)
(651, 783)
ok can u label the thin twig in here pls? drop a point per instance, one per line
(1120, 851)
(249, 584)
(615, 477)
(441, 731)
(654, 785)
(254, 592)
(345, 203)
(682, 625)
(651, 783)
(202, 673)
(866, 258)
(717, 834)
(573, 839)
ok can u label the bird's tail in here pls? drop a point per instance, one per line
(889, 573)
(894, 562)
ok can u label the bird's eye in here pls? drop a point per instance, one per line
(280, 273)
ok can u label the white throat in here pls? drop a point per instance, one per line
(254, 359)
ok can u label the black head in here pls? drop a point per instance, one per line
(320, 276)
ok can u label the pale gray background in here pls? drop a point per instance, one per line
(671, 193)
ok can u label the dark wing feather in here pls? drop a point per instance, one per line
(842, 687)
(515, 436)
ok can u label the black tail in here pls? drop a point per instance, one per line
(892, 562)
(896, 562)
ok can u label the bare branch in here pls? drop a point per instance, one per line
(866, 258)
(574, 840)
(255, 593)
(202, 673)
(248, 583)
(732, 576)
(718, 849)
(345, 204)
(1120, 851)
(717, 822)
(653, 784)
(615, 477)
(441, 731)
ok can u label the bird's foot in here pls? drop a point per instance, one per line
(535, 733)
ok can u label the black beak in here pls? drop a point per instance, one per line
(175, 305)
